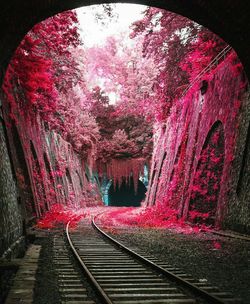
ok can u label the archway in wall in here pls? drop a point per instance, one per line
(125, 194)
(52, 193)
(176, 162)
(60, 189)
(69, 183)
(48, 168)
(38, 179)
(207, 178)
(175, 188)
(80, 179)
(244, 167)
(22, 174)
(159, 175)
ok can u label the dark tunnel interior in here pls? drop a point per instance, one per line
(125, 195)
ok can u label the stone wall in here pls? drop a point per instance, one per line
(47, 168)
(38, 168)
(238, 215)
(11, 227)
(197, 162)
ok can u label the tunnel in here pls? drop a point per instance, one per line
(153, 121)
(125, 194)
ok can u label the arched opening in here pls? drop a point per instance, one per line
(125, 194)
(159, 174)
(207, 178)
(80, 179)
(22, 174)
(243, 169)
(176, 162)
(48, 168)
(52, 193)
(60, 189)
(69, 183)
(68, 176)
(38, 180)
(175, 187)
(87, 178)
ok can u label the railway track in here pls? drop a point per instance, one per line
(122, 276)
(69, 280)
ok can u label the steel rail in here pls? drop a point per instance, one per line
(229, 234)
(98, 288)
(196, 290)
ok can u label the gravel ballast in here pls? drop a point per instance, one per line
(222, 261)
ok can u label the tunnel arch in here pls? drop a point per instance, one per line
(125, 194)
(87, 177)
(34, 154)
(17, 18)
(207, 178)
(68, 175)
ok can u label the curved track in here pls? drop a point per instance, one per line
(122, 276)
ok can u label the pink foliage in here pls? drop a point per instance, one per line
(179, 58)
(216, 245)
(32, 70)
(151, 217)
(45, 79)
(59, 216)
(207, 179)
(119, 170)
(203, 50)
(131, 76)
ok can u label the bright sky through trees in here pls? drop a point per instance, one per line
(96, 26)
(94, 30)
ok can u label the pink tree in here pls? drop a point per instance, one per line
(42, 65)
(171, 39)
(124, 71)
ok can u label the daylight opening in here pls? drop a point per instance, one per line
(126, 195)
